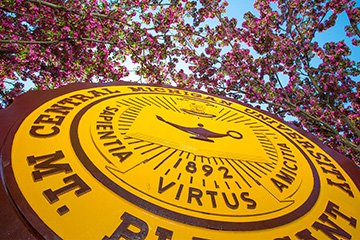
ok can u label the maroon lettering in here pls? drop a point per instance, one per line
(47, 165)
(123, 231)
(163, 234)
(343, 186)
(75, 183)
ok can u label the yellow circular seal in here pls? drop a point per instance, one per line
(156, 162)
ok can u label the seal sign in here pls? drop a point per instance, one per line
(156, 162)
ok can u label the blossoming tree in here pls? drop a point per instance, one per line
(272, 58)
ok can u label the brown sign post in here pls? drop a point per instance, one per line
(131, 161)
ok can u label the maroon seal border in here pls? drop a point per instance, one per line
(18, 220)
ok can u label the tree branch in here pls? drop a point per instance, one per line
(28, 42)
(353, 25)
(63, 8)
(14, 12)
(353, 127)
(54, 41)
(328, 128)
